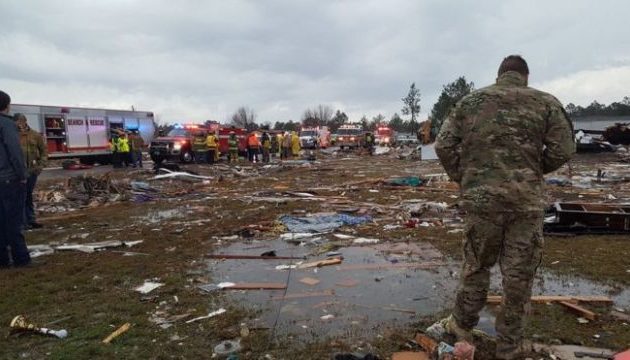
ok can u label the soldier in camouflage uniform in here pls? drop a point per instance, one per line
(496, 144)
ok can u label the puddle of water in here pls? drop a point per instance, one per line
(364, 300)
(154, 217)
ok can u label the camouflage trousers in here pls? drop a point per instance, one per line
(515, 241)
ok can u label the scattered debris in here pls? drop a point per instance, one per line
(148, 286)
(542, 299)
(589, 218)
(309, 281)
(121, 330)
(210, 315)
(20, 324)
(410, 355)
(321, 223)
(320, 263)
(585, 313)
(228, 347)
(412, 181)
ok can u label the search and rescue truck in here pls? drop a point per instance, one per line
(84, 133)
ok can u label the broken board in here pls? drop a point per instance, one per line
(309, 281)
(256, 286)
(542, 299)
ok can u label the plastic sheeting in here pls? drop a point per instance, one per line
(321, 223)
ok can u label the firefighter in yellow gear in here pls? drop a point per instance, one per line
(295, 144)
(212, 142)
(200, 148)
(124, 150)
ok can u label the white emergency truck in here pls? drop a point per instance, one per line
(84, 133)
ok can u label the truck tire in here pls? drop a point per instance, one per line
(187, 157)
(87, 160)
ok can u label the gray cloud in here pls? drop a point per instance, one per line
(193, 60)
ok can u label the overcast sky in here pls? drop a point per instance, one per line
(192, 60)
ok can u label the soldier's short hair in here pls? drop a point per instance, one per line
(5, 100)
(19, 117)
(514, 63)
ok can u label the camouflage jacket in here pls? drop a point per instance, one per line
(34, 151)
(498, 141)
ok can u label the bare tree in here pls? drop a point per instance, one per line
(244, 117)
(317, 116)
(411, 106)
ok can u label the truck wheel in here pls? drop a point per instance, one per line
(87, 160)
(187, 157)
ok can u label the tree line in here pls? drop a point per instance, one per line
(621, 108)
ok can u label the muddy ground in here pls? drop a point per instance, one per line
(92, 294)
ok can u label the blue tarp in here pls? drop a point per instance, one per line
(322, 223)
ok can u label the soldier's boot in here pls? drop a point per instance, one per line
(515, 352)
(448, 326)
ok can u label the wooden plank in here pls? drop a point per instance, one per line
(121, 330)
(309, 281)
(427, 265)
(320, 263)
(253, 257)
(328, 292)
(66, 216)
(256, 286)
(410, 355)
(347, 283)
(426, 343)
(541, 299)
(585, 313)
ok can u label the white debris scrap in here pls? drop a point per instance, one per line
(365, 241)
(212, 314)
(148, 286)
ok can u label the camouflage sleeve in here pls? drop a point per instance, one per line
(558, 139)
(448, 144)
(43, 152)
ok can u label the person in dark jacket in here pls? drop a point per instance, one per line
(12, 190)
(35, 155)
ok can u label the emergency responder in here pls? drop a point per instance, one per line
(212, 143)
(253, 147)
(266, 146)
(124, 149)
(13, 179)
(497, 143)
(136, 143)
(285, 144)
(35, 155)
(275, 145)
(295, 144)
(369, 142)
(233, 147)
(114, 146)
(200, 148)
